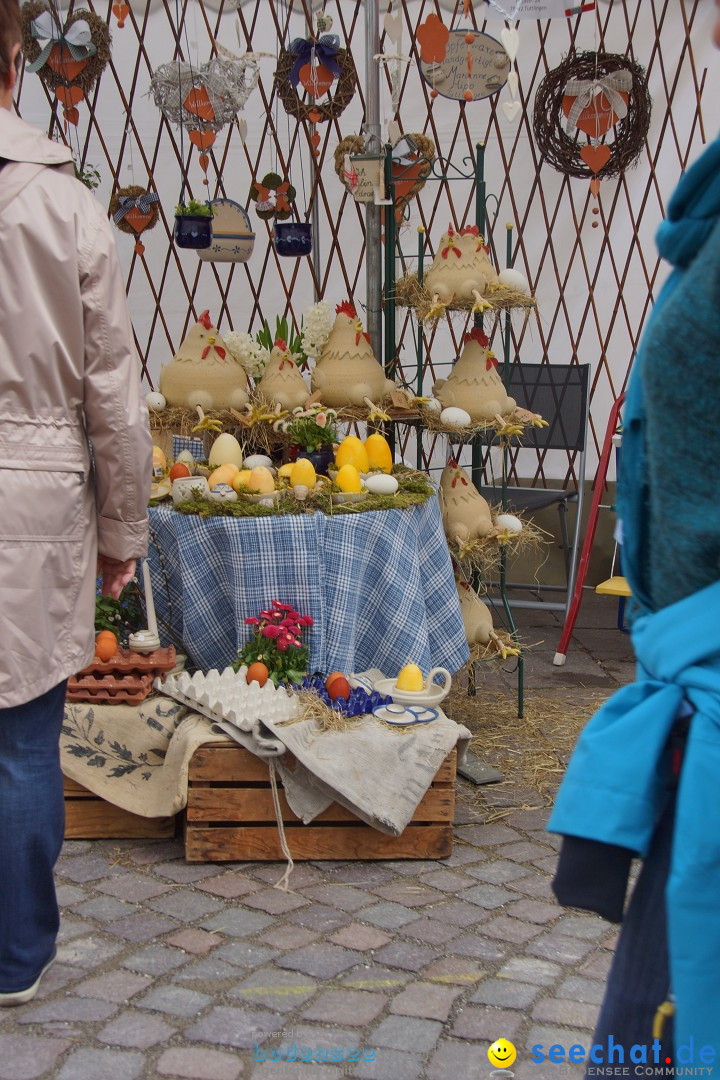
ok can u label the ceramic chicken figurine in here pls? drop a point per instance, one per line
(203, 372)
(281, 382)
(474, 384)
(465, 513)
(347, 372)
(461, 270)
(477, 621)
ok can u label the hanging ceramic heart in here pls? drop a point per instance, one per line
(511, 40)
(72, 116)
(392, 25)
(198, 103)
(121, 12)
(242, 129)
(596, 118)
(595, 186)
(512, 81)
(61, 62)
(202, 139)
(69, 95)
(596, 157)
(73, 53)
(316, 79)
(511, 110)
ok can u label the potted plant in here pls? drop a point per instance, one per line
(276, 650)
(313, 432)
(193, 224)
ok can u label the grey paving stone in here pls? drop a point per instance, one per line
(320, 917)
(321, 961)
(464, 855)
(548, 864)
(303, 876)
(241, 1028)
(561, 1011)
(596, 966)
(487, 835)
(455, 1059)
(408, 894)
(57, 978)
(387, 915)
(117, 986)
(524, 851)
(427, 1000)
(155, 960)
(407, 1033)
(456, 912)
(288, 937)
(23, 1058)
(430, 931)
(406, 955)
(88, 951)
(88, 1064)
(194, 941)
(559, 948)
(275, 901)
(506, 992)
(507, 929)
(530, 970)
(454, 969)
(174, 1001)
(535, 911)
(344, 897)
(67, 1008)
(497, 871)
(104, 909)
(538, 886)
(446, 880)
(357, 936)
(237, 922)
(135, 1031)
(487, 896)
(67, 895)
(478, 947)
(529, 819)
(357, 1008)
(390, 1063)
(140, 927)
(229, 886)
(159, 851)
(575, 988)
(375, 977)
(282, 991)
(185, 873)
(587, 927)
(90, 867)
(73, 928)
(246, 954)
(359, 873)
(487, 1022)
(207, 968)
(199, 1063)
(186, 905)
(133, 887)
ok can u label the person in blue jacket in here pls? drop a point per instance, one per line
(645, 776)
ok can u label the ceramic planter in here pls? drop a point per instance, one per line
(293, 238)
(193, 230)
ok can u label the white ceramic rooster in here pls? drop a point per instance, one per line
(204, 372)
(281, 382)
(347, 372)
(460, 271)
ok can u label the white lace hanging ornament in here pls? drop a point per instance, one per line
(395, 62)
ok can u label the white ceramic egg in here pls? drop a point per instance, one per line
(256, 460)
(223, 493)
(513, 279)
(301, 492)
(509, 523)
(455, 417)
(433, 405)
(185, 458)
(380, 484)
(155, 401)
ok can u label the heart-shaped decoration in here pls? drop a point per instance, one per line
(596, 157)
(408, 175)
(202, 139)
(394, 133)
(204, 161)
(69, 96)
(72, 116)
(511, 110)
(316, 79)
(61, 62)
(511, 41)
(198, 103)
(595, 186)
(242, 128)
(392, 25)
(121, 12)
(596, 118)
(137, 220)
(512, 81)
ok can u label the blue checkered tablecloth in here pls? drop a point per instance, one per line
(379, 585)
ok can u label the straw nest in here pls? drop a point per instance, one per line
(325, 719)
(507, 427)
(410, 292)
(481, 557)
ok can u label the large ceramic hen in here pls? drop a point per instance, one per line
(474, 384)
(204, 372)
(478, 623)
(465, 513)
(461, 270)
(347, 372)
(281, 382)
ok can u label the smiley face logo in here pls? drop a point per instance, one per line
(502, 1054)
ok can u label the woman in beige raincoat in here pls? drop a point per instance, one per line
(68, 374)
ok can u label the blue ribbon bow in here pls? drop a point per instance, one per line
(325, 49)
(143, 202)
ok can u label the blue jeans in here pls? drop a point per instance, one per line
(32, 824)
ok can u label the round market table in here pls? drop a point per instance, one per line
(378, 584)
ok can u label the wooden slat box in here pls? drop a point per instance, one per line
(88, 817)
(230, 817)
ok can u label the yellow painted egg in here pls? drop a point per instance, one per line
(348, 479)
(285, 470)
(352, 452)
(225, 474)
(240, 480)
(159, 464)
(261, 480)
(410, 678)
(303, 472)
(379, 453)
(226, 450)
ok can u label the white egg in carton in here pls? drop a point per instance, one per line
(226, 695)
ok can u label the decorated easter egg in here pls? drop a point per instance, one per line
(348, 479)
(179, 469)
(241, 478)
(261, 480)
(254, 461)
(303, 472)
(224, 474)
(379, 452)
(379, 484)
(455, 417)
(226, 450)
(223, 493)
(155, 401)
(185, 458)
(513, 279)
(433, 405)
(509, 523)
(352, 452)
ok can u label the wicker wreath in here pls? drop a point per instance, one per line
(312, 111)
(94, 65)
(563, 150)
(355, 144)
(136, 198)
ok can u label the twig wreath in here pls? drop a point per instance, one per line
(592, 93)
(410, 171)
(134, 209)
(288, 76)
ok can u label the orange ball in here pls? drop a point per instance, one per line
(434, 93)
(469, 39)
(106, 645)
(179, 470)
(258, 673)
(468, 95)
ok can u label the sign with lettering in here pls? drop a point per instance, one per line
(533, 9)
(481, 66)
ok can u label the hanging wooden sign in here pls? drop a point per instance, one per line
(532, 9)
(480, 66)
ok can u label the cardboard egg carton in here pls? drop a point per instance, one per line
(116, 689)
(227, 696)
(127, 662)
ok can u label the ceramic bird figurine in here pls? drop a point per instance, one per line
(460, 271)
(474, 383)
(281, 382)
(347, 372)
(465, 513)
(204, 372)
(478, 623)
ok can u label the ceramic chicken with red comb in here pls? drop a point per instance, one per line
(347, 372)
(204, 372)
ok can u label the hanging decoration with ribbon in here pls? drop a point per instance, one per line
(69, 57)
(273, 197)
(316, 64)
(134, 210)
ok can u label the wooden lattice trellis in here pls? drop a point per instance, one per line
(594, 286)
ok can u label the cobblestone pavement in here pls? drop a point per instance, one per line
(168, 969)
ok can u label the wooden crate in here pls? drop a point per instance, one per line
(230, 817)
(88, 817)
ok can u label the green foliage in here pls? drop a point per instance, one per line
(311, 428)
(88, 175)
(289, 333)
(193, 209)
(276, 642)
(123, 616)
